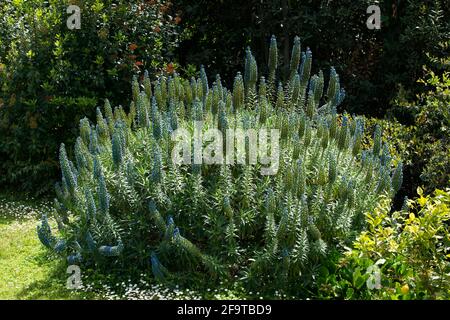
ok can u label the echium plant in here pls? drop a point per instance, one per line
(124, 201)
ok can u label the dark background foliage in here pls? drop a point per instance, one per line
(378, 68)
(373, 63)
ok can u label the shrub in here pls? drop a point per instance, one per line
(398, 136)
(411, 248)
(31, 134)
(51, 76)
(423, 145)
(126, 204)
(117, 39)
(432, 132)
(419, 132)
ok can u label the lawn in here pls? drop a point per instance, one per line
(26, 269)
(29, 272)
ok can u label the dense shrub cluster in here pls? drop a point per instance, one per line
(410, 248)
(51, 76)
(422, 144)
(419, 130)
(123, 203)
(430, 155)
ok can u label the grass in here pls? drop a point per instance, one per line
(27, 271)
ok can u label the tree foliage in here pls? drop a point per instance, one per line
(51, 76)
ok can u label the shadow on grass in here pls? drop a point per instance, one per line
(8, 220)
(53, 287)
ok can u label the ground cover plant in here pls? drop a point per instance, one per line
(125, 205)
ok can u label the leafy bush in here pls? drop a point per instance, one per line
(30, 138)
(411, 248)
(51, 76)
(423, 145)
(117, 39)
(419, 132)
(432, 132)
(126, 204)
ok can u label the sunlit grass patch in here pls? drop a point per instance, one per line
(26, 269)
(29, 271)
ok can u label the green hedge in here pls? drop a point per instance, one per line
(30, 138)
(51, 76)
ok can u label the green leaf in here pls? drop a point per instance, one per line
(349, 293)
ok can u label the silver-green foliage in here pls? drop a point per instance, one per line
(125, 201)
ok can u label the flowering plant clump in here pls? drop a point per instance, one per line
(128, 202)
